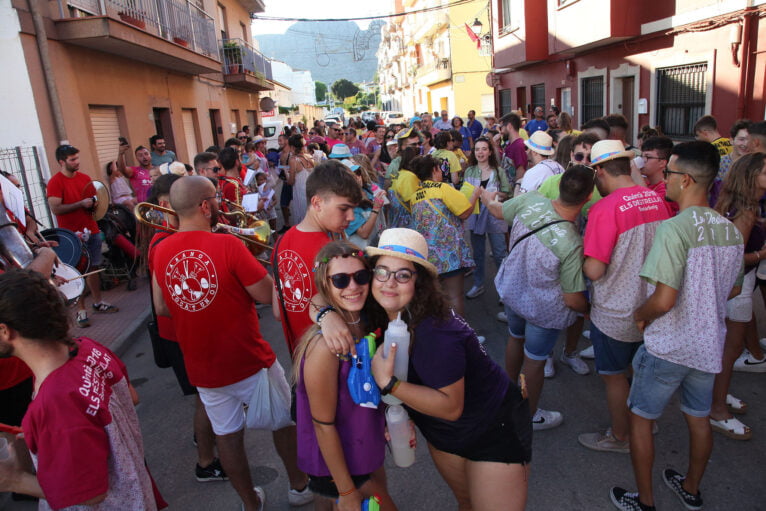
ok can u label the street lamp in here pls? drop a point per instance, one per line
(476, 27)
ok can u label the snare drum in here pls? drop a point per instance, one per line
(73, 289)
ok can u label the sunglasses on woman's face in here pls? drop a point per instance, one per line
(342, 280)
(580, 156)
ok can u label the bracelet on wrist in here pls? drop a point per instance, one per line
(346, 493)
(392, 384)
(323, 312)
(375, 211)
(757, 254)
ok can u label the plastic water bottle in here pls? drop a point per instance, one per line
(397, 421)
(397, 333)
(5, 452)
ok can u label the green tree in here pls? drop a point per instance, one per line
(343, 89)
(321, 91)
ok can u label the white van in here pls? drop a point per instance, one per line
(271, 131)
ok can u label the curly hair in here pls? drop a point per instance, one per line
(34, 308)
(739, 190)
(332, 250)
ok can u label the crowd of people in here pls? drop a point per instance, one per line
(584, 229)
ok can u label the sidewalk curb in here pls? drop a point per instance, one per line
(121, 343)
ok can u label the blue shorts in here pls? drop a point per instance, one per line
(538, 341)
(655, 380)
(611, 356)
(93, 246)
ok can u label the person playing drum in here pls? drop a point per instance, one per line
(66, 190)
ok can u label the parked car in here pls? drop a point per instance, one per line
(394, 118)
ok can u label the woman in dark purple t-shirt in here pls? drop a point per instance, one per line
(476, 421)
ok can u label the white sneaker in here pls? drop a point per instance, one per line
(550, 369)
(588, 353)
(475, 292)
(762, 342)
(747, 363)
(300, 498)
(546, 419)
(261, 496)
(502, 317)
(575, 362)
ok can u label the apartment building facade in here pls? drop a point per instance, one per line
(428, 62)
(658, 63)
(101, 69)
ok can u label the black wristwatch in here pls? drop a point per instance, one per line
(388, 388)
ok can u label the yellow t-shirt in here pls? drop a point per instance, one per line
(454, 163)
(455, 201)
(723, 145)
(405, 185)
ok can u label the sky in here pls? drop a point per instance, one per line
(318, 9)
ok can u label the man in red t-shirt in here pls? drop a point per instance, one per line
(71, 197)
(232, 187)
(207, 283)
(15, 377)
(656, 152)
(140, 179)
(333, 193)
(81, 428)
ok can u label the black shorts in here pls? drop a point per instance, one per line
(325, 485)
(14, 402)
(173, 352)
(286, 196)
(509, 437)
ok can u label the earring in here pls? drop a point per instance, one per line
(682, 187)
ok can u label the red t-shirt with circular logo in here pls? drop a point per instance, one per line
(203, 277)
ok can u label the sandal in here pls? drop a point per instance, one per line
(104, 307)
(735, 405)
(731, 428)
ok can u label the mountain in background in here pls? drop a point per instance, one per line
(329, 49)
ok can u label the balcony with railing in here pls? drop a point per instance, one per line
(438, 71)
(244, 67)
(174, 34)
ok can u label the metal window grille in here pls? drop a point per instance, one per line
(592, 97)
(538, 96)
(681, 99)
(26, 163)
(505, 101)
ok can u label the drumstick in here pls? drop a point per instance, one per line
(84, 275)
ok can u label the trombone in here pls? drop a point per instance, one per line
(256, 236)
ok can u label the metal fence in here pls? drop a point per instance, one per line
(26, 164)
(180, 21)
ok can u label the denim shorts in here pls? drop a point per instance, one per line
(655, 380)
(538, 341)
(611, 356)
(93, 246)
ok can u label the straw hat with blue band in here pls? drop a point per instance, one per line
(541, 143)
(403, 244)
(605, 150)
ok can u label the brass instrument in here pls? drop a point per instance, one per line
(256, 235)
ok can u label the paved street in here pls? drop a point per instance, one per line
(564, 474)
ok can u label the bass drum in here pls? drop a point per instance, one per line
(71, 250)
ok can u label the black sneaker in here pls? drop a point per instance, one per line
(675, 482)
(212, 472)
(627, 501)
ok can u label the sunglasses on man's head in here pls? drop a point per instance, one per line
(342, 280)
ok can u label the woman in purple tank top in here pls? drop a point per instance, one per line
(341, 445)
